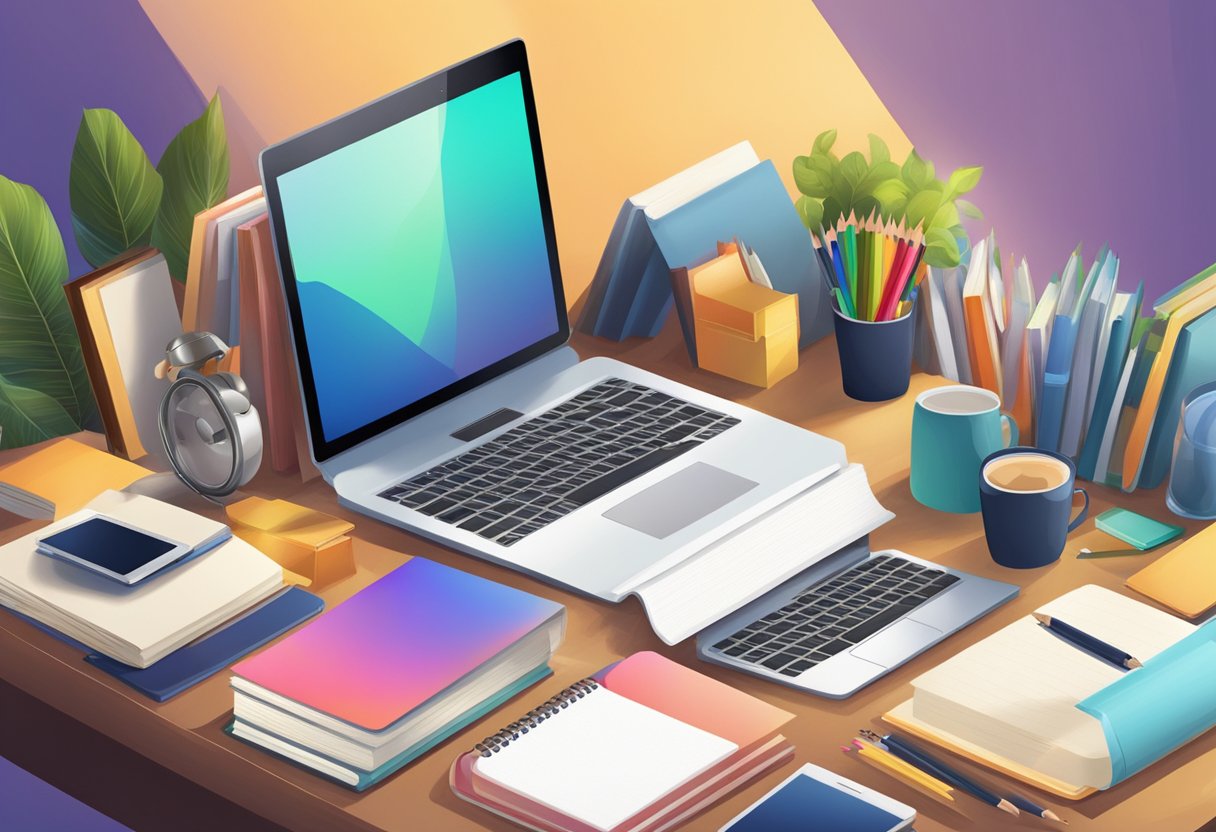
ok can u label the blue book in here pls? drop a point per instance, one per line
(1112, 370)
(1193, 363)
(754, 207)
(679, 223)
(1058, 367)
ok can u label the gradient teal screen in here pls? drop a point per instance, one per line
(419, 255)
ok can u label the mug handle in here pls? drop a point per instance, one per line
(1080, 518)
(1013, 432)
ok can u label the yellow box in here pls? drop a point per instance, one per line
(312, 547)
(744, 331)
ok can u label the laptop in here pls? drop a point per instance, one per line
(415, 240)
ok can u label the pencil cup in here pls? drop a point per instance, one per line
(875, 356)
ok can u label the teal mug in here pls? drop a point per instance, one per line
(953, 430)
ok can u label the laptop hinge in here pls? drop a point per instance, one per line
(485, 424)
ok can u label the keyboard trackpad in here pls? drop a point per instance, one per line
(683, 498)
(896, 643)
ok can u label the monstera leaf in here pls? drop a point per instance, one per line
(39, 349)
(27, 416)
(194, 168)
(114, 189)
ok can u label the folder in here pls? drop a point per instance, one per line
(1184, 579)
(1146, 415)
(61, 478)
(1058, 366)
(1092, 322)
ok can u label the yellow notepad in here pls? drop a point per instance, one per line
(61, 478)
(1185, 578)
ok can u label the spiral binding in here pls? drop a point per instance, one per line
(498, 741)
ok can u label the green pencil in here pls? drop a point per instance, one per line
(850, 259)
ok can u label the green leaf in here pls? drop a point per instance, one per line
(39, 348)
(946, 216)
(195, 169)
(921, 206)
(941, 249)
(863, 206)
(854, 168)
(27, 416)
(878, 150)
(832, 212)
(890, 192)
(825, 163)
(824, 141)
(810, 180)
(810, 211)
(968, 209)
(877, 174)
(963, 180)
(916, 171)
(113, 188)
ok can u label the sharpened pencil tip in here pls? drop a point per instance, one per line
(1041, 618)
(1133, 663)
(1052, 816)
(1006, 806)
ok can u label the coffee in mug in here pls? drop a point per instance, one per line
(1026, 473)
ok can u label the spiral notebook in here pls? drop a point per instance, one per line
(654, 743)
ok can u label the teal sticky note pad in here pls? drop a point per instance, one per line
(1136, 529)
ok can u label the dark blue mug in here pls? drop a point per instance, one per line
(1026, 497)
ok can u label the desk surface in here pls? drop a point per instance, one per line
(184, 735)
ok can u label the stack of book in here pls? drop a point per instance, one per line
(1084, 369)
(393, 671)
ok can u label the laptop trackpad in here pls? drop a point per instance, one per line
(896, 643)
(685, 497)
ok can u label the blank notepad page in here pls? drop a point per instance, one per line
(603, 759)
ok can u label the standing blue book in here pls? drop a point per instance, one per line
(679, 223)
(1193, 363)
(1127, 310)
(1058, 366)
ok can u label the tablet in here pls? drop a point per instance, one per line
(113, 549)
(813, 799)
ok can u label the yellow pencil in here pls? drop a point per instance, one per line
(876, 260)
(890, 243)
(910, 774)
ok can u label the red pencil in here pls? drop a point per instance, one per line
(891, 300)
(902, 250)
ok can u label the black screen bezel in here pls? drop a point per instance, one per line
(436, 89)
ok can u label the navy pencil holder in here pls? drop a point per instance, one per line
(875, 356)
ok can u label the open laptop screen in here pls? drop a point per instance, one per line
(421, 256)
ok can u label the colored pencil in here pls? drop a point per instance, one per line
(850, 231)
(842, 280)
(1090, 644)
(889, 764)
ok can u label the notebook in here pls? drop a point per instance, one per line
(1010, 701)
(61, 478)
(1184, 579)
(138, 625)
(982, 345)
(394, 670)
(667, 739)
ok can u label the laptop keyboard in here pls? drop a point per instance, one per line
(833, 616)
(546, 467)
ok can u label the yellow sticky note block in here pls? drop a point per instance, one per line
(744, 331)
(310, 545)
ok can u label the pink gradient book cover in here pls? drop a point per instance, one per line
(397, 643)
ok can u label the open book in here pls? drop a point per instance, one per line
(1010, 701)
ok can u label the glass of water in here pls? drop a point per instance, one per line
(1192, 489)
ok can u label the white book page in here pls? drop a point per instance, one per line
(1027, 678)
(701, 178)
(603, 759)
(141, 315)
(762, 555)
(225, 260)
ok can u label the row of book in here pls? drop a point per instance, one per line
(126, 313)
(1084, 368)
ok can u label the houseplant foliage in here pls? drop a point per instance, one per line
(113, 188)
(911, 193)
(119, 201)
(195, 170)
(44, 389)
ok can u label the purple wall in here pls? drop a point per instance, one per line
(1095, 122)
(30, 805)
(58, 57)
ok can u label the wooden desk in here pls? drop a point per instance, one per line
(184, 735)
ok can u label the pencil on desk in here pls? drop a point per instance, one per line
(1084, 641)
(889, 764)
